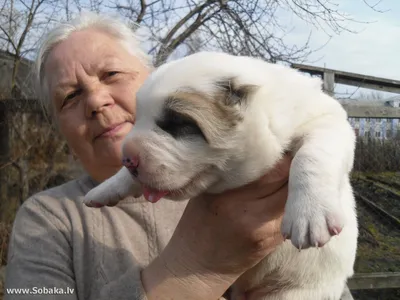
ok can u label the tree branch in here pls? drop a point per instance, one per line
(143, 7)
(185, 19)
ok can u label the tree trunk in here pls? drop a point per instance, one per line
(24, 181)
(4, 152)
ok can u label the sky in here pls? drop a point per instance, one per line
(370, 47)
(373, 50)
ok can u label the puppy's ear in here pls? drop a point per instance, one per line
(233, 93)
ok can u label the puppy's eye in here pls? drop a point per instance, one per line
(179, 126)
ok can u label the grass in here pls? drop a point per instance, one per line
(378, 249)
(373, 155)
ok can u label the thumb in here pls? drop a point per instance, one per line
(270, 182)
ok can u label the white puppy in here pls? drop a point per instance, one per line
(211, 122)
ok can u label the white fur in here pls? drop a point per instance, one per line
(288, 111)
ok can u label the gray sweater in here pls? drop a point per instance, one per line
(58, 245)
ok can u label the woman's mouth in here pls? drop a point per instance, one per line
(112, 130)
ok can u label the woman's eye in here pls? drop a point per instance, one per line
(112, 73)
(71, 95)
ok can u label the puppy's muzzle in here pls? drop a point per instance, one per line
(132, 164)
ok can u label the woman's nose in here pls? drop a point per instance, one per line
(97, 100)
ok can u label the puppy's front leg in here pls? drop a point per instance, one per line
(114, 189)
(313, 211)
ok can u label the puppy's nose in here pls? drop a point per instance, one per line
(131, 163)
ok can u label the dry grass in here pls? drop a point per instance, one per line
(374, 155)
(5, 231)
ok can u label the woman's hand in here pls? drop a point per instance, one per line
(218, 238)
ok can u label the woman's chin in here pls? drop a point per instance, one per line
(108, 157)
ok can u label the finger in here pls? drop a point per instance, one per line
(274, 204)
(280, 171)
(274, 179)
(270, 210)
(267, 184)
(264, 186)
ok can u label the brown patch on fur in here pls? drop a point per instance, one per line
(213, 117)
(217, 116)
(233, 93)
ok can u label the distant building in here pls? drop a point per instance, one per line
(381, 128)
(24, 83)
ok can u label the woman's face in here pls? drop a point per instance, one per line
(93, 81)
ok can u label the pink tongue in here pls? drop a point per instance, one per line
(153, 195)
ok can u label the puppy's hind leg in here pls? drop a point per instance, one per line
(313, 211)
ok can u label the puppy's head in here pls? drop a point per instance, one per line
(189, 124)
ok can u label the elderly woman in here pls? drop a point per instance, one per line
(88, 72)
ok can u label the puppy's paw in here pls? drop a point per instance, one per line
(311, 222)
(113, 190)
(100, 196)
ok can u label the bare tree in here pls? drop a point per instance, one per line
(194, 43)
(18, 19)
(249, 27)
(38, 152)
(22, 22)
(369, 95)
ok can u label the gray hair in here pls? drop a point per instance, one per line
(106, 24)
